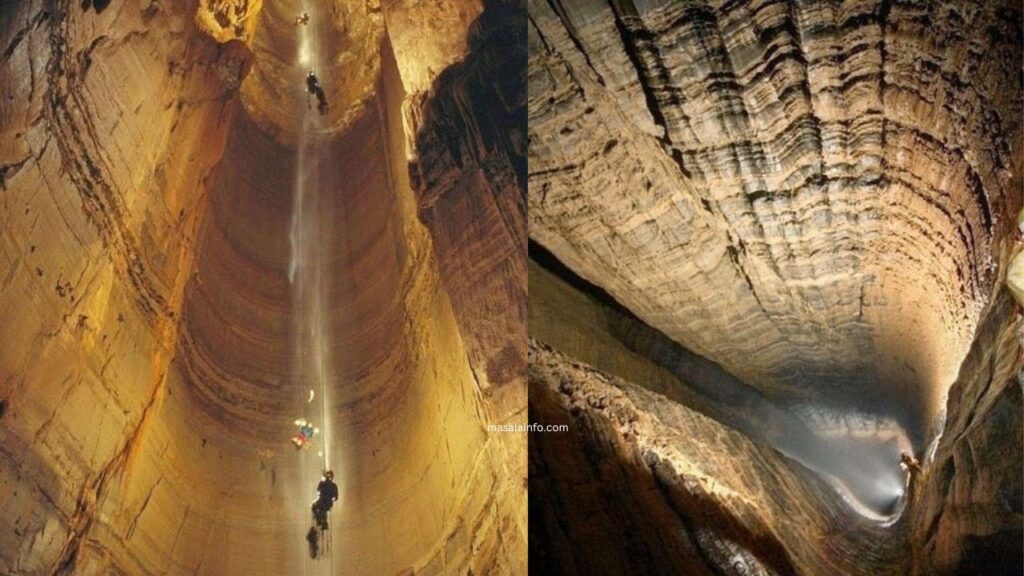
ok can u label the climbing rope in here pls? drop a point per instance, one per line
(313, 328)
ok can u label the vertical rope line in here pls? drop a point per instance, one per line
(321, 295)
(300, 249)
(301, 275)
(299, 372)
(311, 271)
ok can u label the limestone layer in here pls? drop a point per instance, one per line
(148, 161)
(816, 198)
(808, 193)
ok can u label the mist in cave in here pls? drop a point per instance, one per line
(857, 453)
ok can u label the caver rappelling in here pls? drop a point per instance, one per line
(303, 438)
(910, 465)
(327, 495)
(314, 88)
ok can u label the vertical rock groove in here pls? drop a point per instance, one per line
(815, 170)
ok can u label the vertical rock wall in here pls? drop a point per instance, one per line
(146, 195)
(968, 509)
(470, 180)
(807, 193)
(114, 117)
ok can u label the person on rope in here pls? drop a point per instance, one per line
(314, 88)
(909, 464)
(314, 542)
(302, 19)
(327, 495)
(304, 437)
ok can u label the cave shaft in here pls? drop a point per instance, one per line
(189, 249)
(796, 219)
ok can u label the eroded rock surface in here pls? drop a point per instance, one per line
(817, 198)
(807, 193)
(969, 507)
(643, 485)
(148, 159)
(100, 216)
(471, 190)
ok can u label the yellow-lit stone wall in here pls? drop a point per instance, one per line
(148, 154)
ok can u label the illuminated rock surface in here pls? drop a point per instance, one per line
(647, 486)
(147, 154)
(780, 215)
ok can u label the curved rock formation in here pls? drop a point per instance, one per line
(844, 172)
(782, 215)
(148, 154)
(648, 491)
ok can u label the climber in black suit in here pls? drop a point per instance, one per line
(327, 495)
(314, 88)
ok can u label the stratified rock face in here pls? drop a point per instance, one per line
(969, 507)
(816, 199)
(147, 390)
(114, 119)
(807, 193)
(471, 190)
(469, 178)
(642, 485)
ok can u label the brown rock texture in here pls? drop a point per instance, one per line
(807, 193)
(969, 505)
(227, 20)
(781, 215)
(471, 190)
(148, 154)
(643, 485)
(100, 216)
(1015, 272)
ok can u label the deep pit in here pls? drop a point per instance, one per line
(769, 249)
(190, 248)
(772, 245)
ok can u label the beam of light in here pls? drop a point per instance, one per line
(857, 453)
(308, 274)
(862, 467)
(305, 54)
